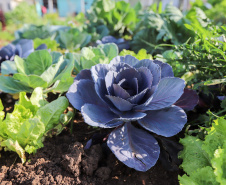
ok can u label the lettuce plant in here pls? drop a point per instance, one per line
(128, 95)
(52, 72)
(204, 161)
(32, 119)
(90, 56)
(141, 54)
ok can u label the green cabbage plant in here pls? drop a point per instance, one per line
(51, 71)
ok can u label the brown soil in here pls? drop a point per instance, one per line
(63, 160)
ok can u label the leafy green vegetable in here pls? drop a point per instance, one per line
(51, 44)
(119, 17)
(204, 161)
(24, 129)
(202, 60)
(73, 39)
(91, 56)
(142, 54)
(164, 28)
(39, 69)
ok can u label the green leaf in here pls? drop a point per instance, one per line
(108, 5)
(30, 132)
(110, 50)
(10, 85)
(2, 113)
(38, 61)
(21, 65)
(215, 82)
(49, 75)
(215, 137)
(26, 103)
(32, 81)
(194, 157)
(219, 164)
(14, 146)
(37, 97)
(202, 176)
(51, 44)
(55, 56)
(50, 113)
(8, 67)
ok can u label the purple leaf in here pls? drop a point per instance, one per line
(96, 115)
(169, 90)
(134, 147)
(166, 69)
(188, 100)
(82, 92)
(154, 68)
(221, 97)
(147, 78)
(120, 92)
(120, 104)
(165, 122)
(128, 59)
(84, 74)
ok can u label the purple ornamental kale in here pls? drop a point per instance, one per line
(129, 94)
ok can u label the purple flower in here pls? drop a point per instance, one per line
(129, 94)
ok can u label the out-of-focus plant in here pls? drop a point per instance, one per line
(22, 48)
(90, 56)
(119, 17)
(142, 54)
(38, 31)
(23, 14)
(52, 72)
(73, 39)
(165, 28)
(51, 44)
(121, 43)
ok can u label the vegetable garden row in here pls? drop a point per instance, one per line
(152, 79)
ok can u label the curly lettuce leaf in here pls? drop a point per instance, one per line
(25, 128)
(2, 113)
(204, 161)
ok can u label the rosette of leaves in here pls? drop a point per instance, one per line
(90, 56)
(120, 42)
(204, 161)
(134, 97)
(38, 31)
(25, 129)
(22, 48)
(73, 39)
(52, 72)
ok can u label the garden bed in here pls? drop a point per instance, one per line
(63, 160)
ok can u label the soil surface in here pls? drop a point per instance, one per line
(64, 160)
